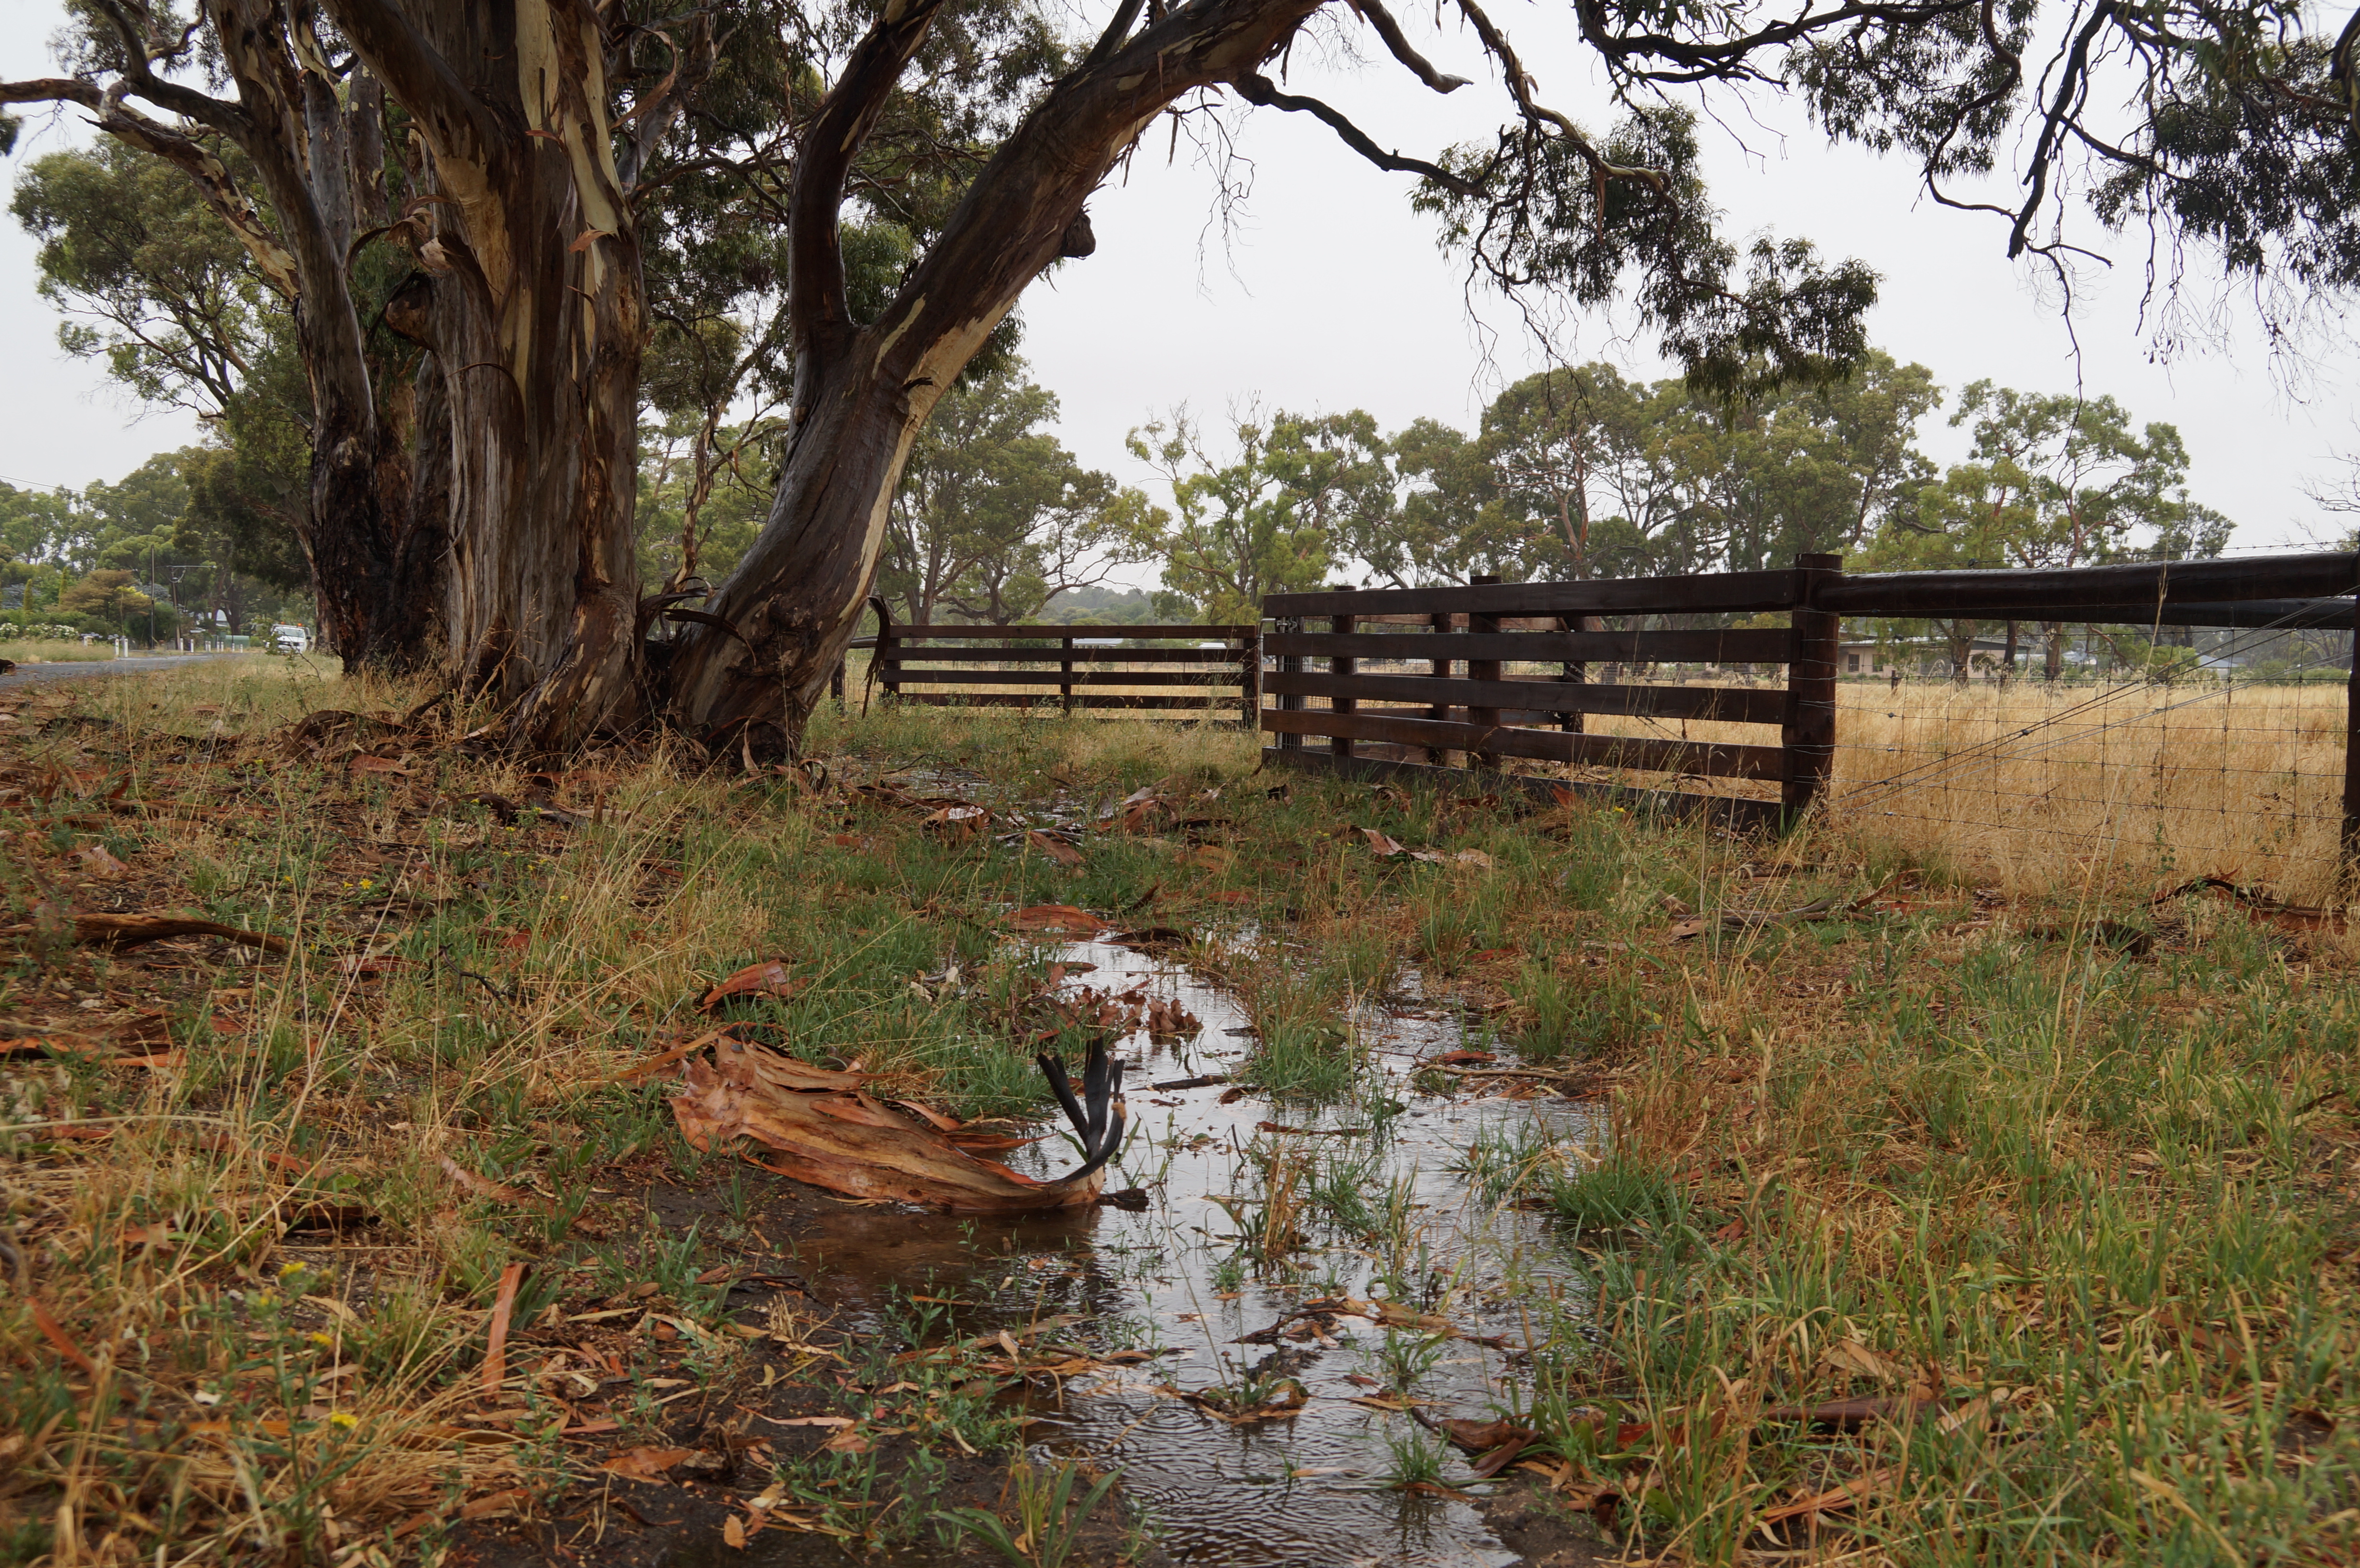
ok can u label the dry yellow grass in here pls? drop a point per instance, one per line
(2030, 785)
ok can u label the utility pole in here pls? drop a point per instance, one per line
(177, 572)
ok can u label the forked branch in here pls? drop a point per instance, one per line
(1257, 89)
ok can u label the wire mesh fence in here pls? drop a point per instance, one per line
(2094, 751)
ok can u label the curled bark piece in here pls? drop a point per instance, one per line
(841, 1138)
(130, 930)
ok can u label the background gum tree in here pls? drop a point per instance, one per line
(1296, 495)
(994, 516)
(2054, 479)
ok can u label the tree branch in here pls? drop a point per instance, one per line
(1728, 59)
(212, 178)
(256, 50)
(817, 306)
(1377, 17)
(1257, 89)
(1520, 86)
(52, 90)
(1116, 29)
(2074, 81)
(229, 119)
(655, 112)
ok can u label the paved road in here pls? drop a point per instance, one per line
(66, 669)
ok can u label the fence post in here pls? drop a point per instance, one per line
(884, 670)
(836, 684)
(1250, 678)
(1808, 733)
(1439, 756)
(1289, 664)
(1482, 670)
(2351, 866)
(1341, 664)
(1065, 688)
(1576, 672)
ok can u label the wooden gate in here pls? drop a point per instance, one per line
(1412, 713)
(1070, 667)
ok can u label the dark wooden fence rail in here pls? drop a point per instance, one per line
(1489, 715)
(1486, 625)
(1054, 667)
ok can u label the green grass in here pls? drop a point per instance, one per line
(2099, 1205)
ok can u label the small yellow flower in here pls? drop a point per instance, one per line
(296, 1267)
(345, 1419)
(316, 1337)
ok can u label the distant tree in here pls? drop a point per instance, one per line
(994, 516)
(149, 280)
(1109, 606)
(2054, 480)
(110, 593)
(699, 370)
(1578, 472)
(704, 489)
(1538, 491)
(1297, 493)
(45, 527)
(1813, 469)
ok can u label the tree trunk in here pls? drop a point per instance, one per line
(374, 592)
(796, 600)
(862, 392)
(532, 307)
(541, 380)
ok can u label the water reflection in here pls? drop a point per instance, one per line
(1181, 1279)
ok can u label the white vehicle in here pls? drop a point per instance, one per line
(289, 639)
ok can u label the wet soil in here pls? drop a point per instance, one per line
(1191, 1292)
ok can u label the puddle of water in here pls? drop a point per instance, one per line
(1313, 1488)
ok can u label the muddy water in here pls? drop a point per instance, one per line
(1180, 1280)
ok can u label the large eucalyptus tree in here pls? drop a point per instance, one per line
(521, 149)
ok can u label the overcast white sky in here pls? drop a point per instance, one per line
(1327, 292)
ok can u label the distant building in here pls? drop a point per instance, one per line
(1928, 658)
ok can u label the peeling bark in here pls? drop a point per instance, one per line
(535, 323)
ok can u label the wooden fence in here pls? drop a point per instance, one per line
(1374, 722)
(1070, 667)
